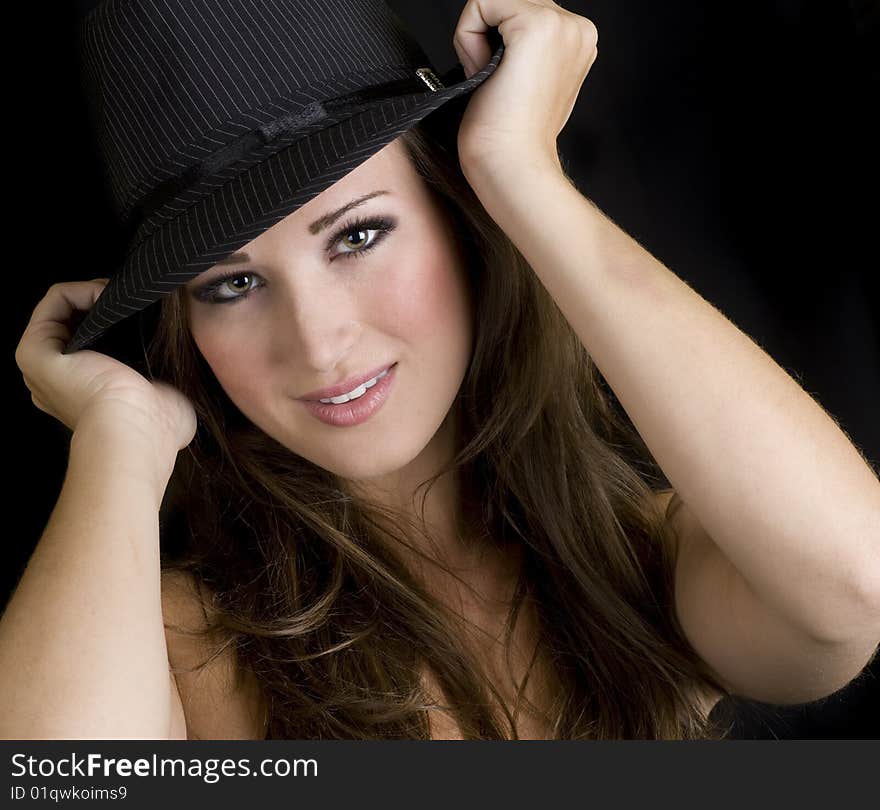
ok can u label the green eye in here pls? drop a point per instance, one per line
(359, 232)
(237, 278)
(382, 226)
(210, 293)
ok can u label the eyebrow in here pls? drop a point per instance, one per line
(328, 219)
(316, 227)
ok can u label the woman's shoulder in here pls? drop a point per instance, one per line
(663, 498)
(219, 701)
(705, 696)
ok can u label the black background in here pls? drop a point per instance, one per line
(734, 141)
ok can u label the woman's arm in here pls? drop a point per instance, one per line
(82, 642)
(778, 573)
(780, 563)
(767, 472)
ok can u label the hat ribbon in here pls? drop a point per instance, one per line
(339, 107)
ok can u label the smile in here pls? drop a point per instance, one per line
(355, 393)
(357, 406)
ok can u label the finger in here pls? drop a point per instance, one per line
(48, 320)
(59, 302)
(477, 17)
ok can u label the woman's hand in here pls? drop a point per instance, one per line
(518, 112)
(84, 385)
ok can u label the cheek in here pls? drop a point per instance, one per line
(425, 295)
(237, 364)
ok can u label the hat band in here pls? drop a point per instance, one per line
(285, 126)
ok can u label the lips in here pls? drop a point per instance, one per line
(345, 386)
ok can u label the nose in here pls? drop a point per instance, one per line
(315, 321)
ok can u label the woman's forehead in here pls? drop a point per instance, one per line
(390, 164)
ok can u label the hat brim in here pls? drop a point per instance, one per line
(252, 201)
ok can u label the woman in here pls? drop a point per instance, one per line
(470, 547)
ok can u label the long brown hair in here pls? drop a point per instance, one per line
(308, 584)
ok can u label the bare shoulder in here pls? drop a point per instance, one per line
(707, 697)
(214, 705)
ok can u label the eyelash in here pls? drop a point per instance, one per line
(382, 224)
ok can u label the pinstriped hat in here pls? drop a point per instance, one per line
(215, 119)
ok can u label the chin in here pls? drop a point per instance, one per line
(364, 470)
(383, 458)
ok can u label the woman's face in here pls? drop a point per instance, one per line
(318, 300)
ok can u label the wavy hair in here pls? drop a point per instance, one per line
(309, 585)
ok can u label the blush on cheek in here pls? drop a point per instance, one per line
(425, 296)
(236, 365)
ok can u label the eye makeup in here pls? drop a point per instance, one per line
(382, 225)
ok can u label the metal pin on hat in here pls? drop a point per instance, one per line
(429, 78)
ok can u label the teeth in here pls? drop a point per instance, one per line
(357, 392)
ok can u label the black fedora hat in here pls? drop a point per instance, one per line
(215, 119)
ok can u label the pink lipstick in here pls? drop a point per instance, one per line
(355, 411)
